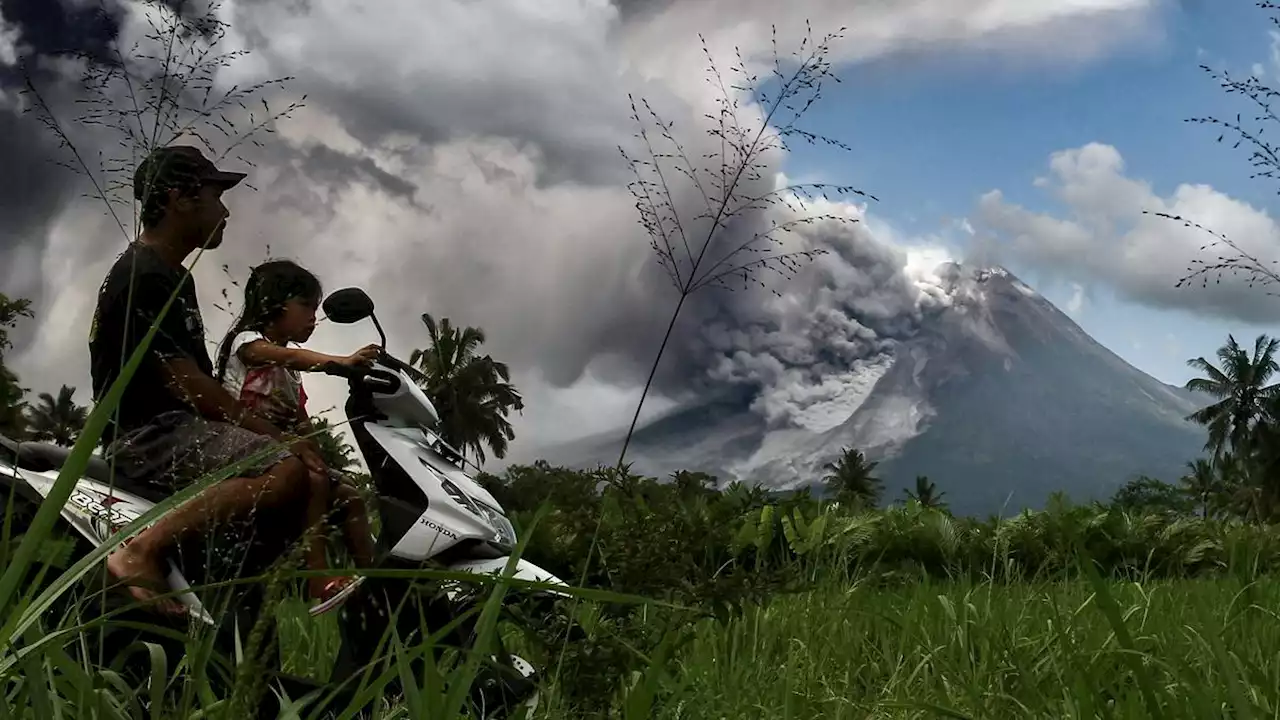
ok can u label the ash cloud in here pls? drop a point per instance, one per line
(830, 334)
(462, 159)
(33, 190)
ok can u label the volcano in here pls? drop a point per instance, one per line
(999, 398)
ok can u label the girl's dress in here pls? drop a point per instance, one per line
(275, 394)
(272, 392)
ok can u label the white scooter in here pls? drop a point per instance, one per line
(431, 512)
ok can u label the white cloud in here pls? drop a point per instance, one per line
(1064, 30)
(1076, 302)
(9, 39)
(1275, 50)
(1104, 236)
(1259, 70)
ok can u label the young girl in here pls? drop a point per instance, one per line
(257, 365)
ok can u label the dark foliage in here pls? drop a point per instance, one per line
(13, 419)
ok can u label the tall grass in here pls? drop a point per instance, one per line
(1208, 648)
(980, 650)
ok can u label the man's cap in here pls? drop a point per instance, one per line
(178, 166)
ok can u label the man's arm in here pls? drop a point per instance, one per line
(211, 399)
(149, 294)
(306, 429)
(169, 351)
(303, 420)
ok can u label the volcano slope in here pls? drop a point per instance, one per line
(1000, 399)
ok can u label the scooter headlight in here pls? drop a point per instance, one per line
(506, 533)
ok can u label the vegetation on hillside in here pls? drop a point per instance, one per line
(12, 395)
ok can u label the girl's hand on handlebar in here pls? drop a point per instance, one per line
(363, 357)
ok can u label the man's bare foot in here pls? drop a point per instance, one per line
(143, 578)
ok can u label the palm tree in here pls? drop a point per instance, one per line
(1203, 486)
(13, 408)
(850, 480)
(57, 420)
(1254, 472)
(334, 450)
(472, 393)
(1240, 492)
(926, 493)
(691, 483)
(1241, 384)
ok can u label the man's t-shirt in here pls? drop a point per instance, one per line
(120, 323)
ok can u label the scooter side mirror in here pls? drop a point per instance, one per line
(347, 306)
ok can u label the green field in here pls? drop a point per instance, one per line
(1194, 649)
(1207, 649)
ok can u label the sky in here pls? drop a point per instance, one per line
(931, 136)
(463, 159)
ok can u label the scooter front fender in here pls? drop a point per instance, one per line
(524, 570)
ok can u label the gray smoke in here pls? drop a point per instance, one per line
(462, 159)
(34, 190)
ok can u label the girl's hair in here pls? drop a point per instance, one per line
(270, 286)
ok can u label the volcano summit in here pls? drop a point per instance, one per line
(999, 398)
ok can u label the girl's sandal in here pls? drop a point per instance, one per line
(336, 592)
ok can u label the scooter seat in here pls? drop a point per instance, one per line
(43, 457)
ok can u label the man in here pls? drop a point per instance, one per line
(175, 423)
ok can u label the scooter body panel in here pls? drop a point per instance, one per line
(456, 507)
(96, 511)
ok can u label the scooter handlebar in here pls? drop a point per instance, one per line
(340, 370)
(362, 375)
